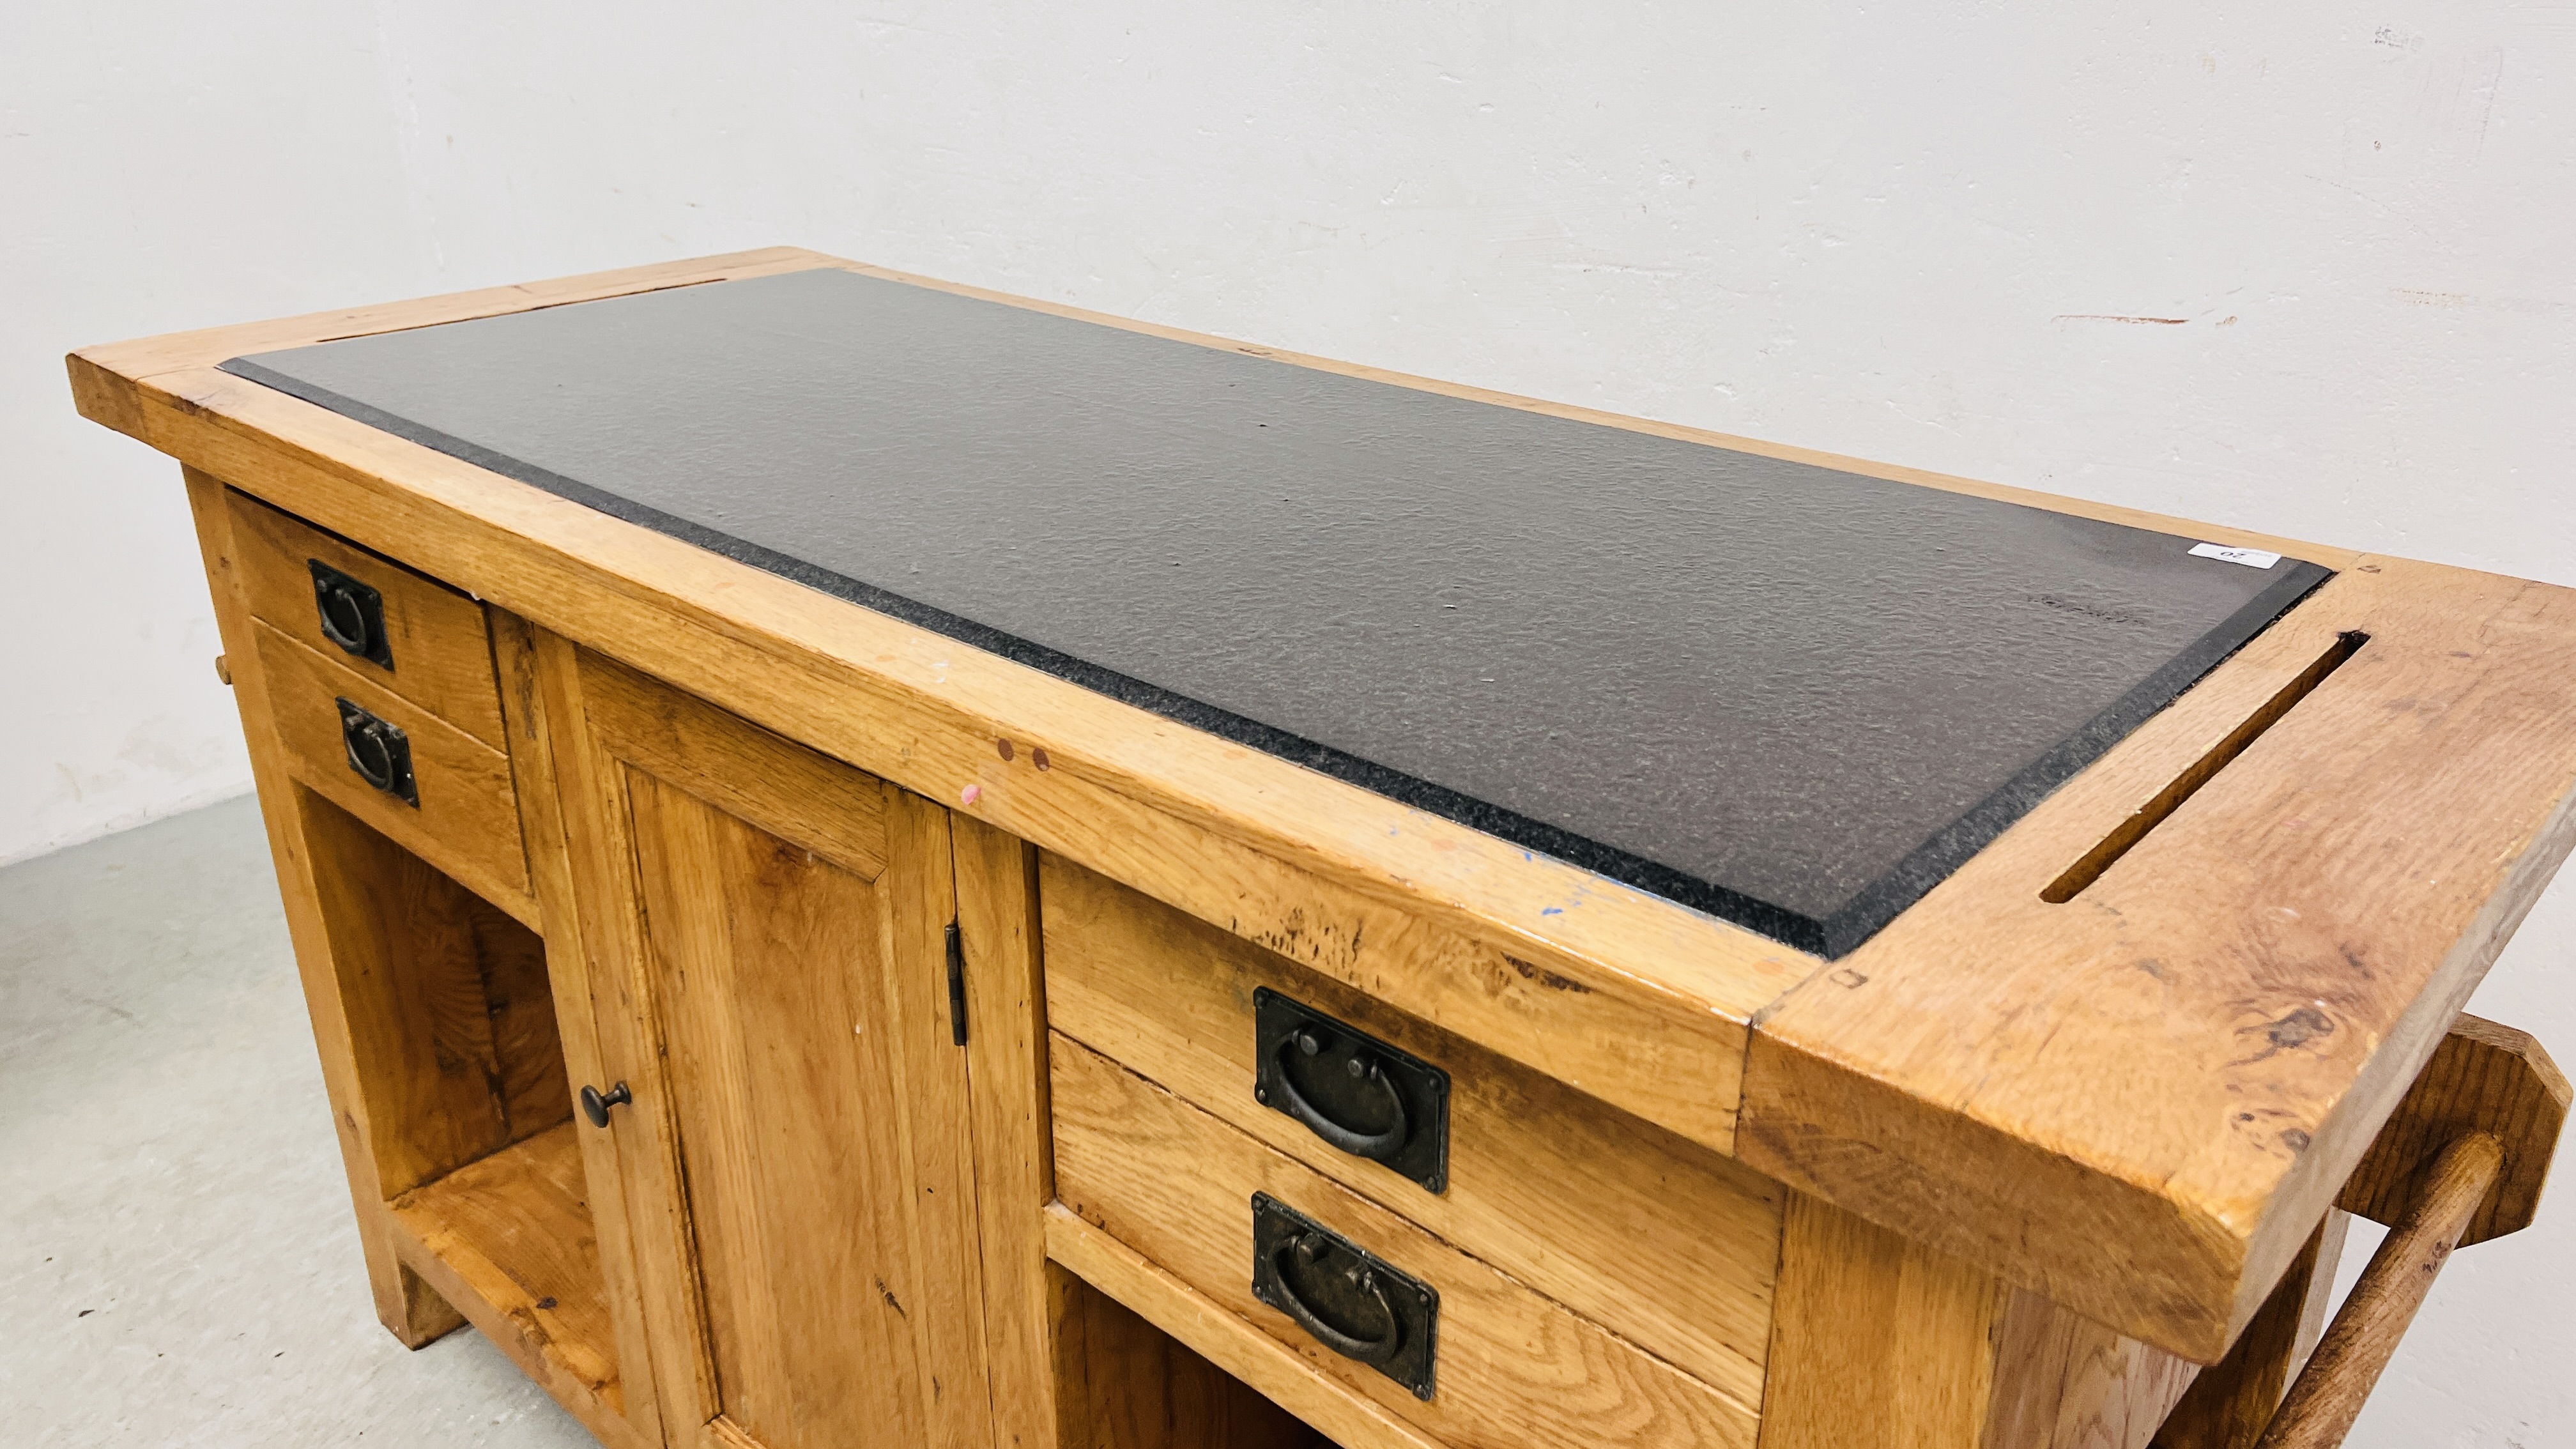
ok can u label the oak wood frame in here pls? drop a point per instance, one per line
(1942, 1081)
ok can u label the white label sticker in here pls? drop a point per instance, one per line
(2252, 558)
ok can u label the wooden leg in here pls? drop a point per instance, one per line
(404, 1305)
(425, 1316)
(1881, 1341)
(2231, 1401)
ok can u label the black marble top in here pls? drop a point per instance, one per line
(1790, 696)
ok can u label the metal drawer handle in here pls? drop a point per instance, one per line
(1306, 1249)
(1321, 1280)
(1379, 1146)
(352, 613)
(379, 752)
(1339, 1082)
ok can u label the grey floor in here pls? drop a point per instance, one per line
(177, 1264)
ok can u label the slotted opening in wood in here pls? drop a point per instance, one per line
(2125, 836)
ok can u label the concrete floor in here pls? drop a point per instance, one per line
(179, 1266)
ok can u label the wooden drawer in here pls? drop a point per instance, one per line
(433, 648)
(466, 821)
(1666, 1243)
(1511, 1368)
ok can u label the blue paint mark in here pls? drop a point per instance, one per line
(1552, 911)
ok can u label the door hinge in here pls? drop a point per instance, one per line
(956, 985)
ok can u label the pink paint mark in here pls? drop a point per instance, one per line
(970, 794)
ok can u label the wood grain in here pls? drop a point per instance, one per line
(997, 916)
(515, 647)
(1885, 1342)
(509, 1240)
(1243, 1351)
(451, 1018)
(2232, 1401)
(436, 636)
(2141, 1102)
(1957, 1108)
(1659, 1240)
(1877, 1340)
(2484, 1077)
(1129, 1385)
(2329, 1393)
(467, 821)
(749, 772)
(792, 1155)
(2063, 1381)
(410, 1310)
(1513, 1370)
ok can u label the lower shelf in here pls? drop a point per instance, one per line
(507, 1240)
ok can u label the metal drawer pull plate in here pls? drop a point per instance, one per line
(1357, 1093)
(352, 614)
(379, 752)
(1344, 1296)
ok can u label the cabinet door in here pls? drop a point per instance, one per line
(770, 928)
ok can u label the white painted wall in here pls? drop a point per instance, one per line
(2307, 269)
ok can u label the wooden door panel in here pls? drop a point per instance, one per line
(771, 928)
(764, 959)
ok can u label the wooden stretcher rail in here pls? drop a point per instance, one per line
(2329, 1393)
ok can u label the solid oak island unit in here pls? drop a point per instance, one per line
(877, 862)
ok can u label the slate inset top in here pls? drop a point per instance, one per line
(1790, 696)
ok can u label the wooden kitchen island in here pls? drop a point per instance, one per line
(879, 863)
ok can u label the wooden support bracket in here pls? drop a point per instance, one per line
(2461, 1160)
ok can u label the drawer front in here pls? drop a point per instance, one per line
(445, 795)
(1664, 1242)
(1507, 1368)
(408, 633)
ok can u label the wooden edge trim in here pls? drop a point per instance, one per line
(149, 357)
(205, 346)
(2327, 554)
(1893, 1085)
(2160, 807)
(1224, 1339)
